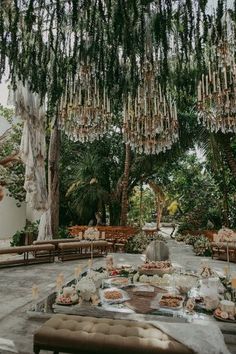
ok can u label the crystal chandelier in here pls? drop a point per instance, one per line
(150, 118)
(217, 90)
(85, 111)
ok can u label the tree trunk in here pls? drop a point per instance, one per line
(124, 198)
(160, 201)
(114, 211)
(224, 140)
(53, 177)
(141, 205)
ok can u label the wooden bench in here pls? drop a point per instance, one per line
(41, 254)
(55, 242)
(81, 249)
(219, 251)
(90, 335)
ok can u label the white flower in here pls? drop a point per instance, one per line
(86, 287)
(144, 278)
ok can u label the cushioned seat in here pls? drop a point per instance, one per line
(80, 335)
(41, 253)
(73, 250)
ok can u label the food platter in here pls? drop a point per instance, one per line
(118, 281)
(64, 303)
(113, 296)
(158, 267)
(156, 271)
(173, 302)
(224, 319)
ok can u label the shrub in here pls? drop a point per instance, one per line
(63, 233)
(202, 246)
(139, 242)
(30, 228)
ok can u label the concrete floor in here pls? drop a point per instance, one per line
(16, 284)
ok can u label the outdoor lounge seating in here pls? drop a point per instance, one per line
(219, 251)
(82, 249)
(40, 254)
(84, 335)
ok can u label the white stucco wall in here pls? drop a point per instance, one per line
(12, 218)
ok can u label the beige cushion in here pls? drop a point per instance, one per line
(30, 248)
(103, 335)
(71, 245)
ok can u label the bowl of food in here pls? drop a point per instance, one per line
(158, 267)
(113, 295)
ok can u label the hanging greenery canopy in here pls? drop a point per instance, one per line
(46, 41)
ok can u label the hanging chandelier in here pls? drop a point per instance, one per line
(217, 90)
(150, 118)
(85, 111)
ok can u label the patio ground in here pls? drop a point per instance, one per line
(16, 284)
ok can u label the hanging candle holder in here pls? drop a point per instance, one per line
(85, 110)
(150, 118)
(216, 93)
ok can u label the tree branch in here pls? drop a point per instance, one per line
(10, 159)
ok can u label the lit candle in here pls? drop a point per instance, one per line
(225, 76)
(90, 263)
(233, 283)
(104, 98)
(214, 81)
(206, 85)
(77, 272)
(175, 108)
(145, 105)
(203, 88)
(155, 106)
(58, 283)
(209, 71)
(199, 94)
(95, 86)
(160, 93)
(80, 96)
(88, 96)
(164, 106)
(35, 292)
(108, 105)
(138, 94)
(61, 277)
(98, 101)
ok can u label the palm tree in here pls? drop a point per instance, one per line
(87, 192)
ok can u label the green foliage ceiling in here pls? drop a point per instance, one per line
(46, 41)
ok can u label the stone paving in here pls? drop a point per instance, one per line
(16, 284)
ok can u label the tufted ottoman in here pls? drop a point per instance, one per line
(81, 335)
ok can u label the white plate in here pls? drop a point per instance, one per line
(118, 282)
(124, 296)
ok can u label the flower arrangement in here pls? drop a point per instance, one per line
(202, 246)
(200, 243)
(86, 288)
(97, 277)
(226, 234)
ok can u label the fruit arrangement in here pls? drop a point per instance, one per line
(157, 265)
(171, 301)
(66, 300)
(112, 295)
(224, 315)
